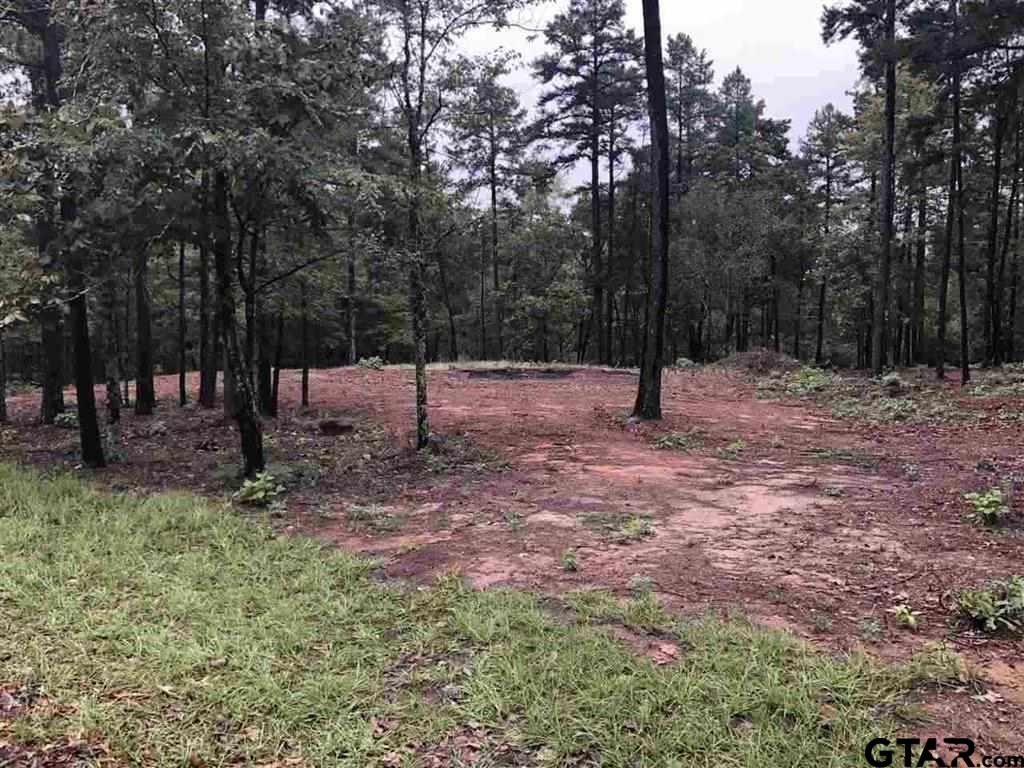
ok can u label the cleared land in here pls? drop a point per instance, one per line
(799, 501)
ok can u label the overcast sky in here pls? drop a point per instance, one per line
(777, 44)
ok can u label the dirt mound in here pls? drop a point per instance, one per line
(759, 361)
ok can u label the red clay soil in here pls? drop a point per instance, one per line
(781, 512)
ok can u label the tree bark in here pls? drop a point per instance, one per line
(886, 199)
(244, 404)
(921, 248)
(88, 423)
(182, 329)
(992, 320)
(207, 357)
(3, 378)
(305, 344)
(648, 401)
(145, 396)
(951, 203)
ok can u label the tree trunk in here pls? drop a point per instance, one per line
(182, 328)
(305, 345)
(991, 319)
(965, 329)
(353, 347)
(88, 423)
(886, 199)
(3, 378)
(998, 342)
(499, 319)
(648, 401)
(951, 205)
(921, 249)
(112, 355)
(207, 357)
(145, 396)
(275, 391)
(244, 403)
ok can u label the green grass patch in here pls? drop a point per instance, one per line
(177, 631)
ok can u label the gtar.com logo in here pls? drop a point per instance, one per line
(919, 753)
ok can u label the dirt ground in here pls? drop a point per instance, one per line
(776, 509)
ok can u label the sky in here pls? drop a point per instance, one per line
(777, 44)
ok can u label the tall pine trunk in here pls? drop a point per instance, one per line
(886, 198)
(182, 331)
(648, 401)
(207, 356)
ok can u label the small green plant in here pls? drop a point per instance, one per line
(807, 381)
(570, 564)
(686, 364)
(680, 441)
(988, 507)
(259, 491)
(371, 363)
(513, 519)
(66, 420)
(372, 516)
(870, 629)
(998, 606)
(893, 383)
(636, 529)
(733, 450)
(905, 616)
(821, 622)
(641, 585)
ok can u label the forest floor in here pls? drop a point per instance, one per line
(807, 502)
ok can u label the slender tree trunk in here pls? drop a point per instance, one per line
(921, 248)
(182, 328)
(965, 329)
(305, 345)
(145, 395)
(3, 378)
(499, 319)
(207, 357)
(992, 320)
(886, 201)
(610, 260)
(417, 298)
(951, 205)
(88, 423)
(353, 346)
(244, 402)
(112, 357)
(275, 391)
(998, 343)
(648, 402)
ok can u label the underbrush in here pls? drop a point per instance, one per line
(182, 634)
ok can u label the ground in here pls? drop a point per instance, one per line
(810, 505)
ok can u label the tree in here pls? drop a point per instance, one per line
(648, 401)
(590, 52)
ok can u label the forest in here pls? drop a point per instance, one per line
(354, 396)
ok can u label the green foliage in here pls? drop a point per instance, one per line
(374, 517)
(570, 563)
(733, 450)
(680, 441)
(905, 616)
(807, 381)
(259, 491)
(987, 507)
(371, 363)
(686, 364)
(66, 420)
(635, 529)
(998, 606)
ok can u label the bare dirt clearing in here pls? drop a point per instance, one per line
(774, 508)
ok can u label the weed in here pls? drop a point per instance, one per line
(570, 563)
(733, 450)
(807, 381)
(258, 491)
(635, 529)
(66, 420)
(680, 441)
(905, 616)
(870, 629)
(686, 364)
(371, 363)
(513, 519)
(821, 622)
(641, 585)
(833, 492)
(912, 472)
(988, 508)
(998, 606)
(373, 517)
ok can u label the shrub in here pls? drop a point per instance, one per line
(371, 363)
(686, 364)
(569, 561)
(988, 507)
(807, 381)
(259, 491)
(999, 606)
(66, 420)
(680, 441)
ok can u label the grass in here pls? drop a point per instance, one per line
(179, 633)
